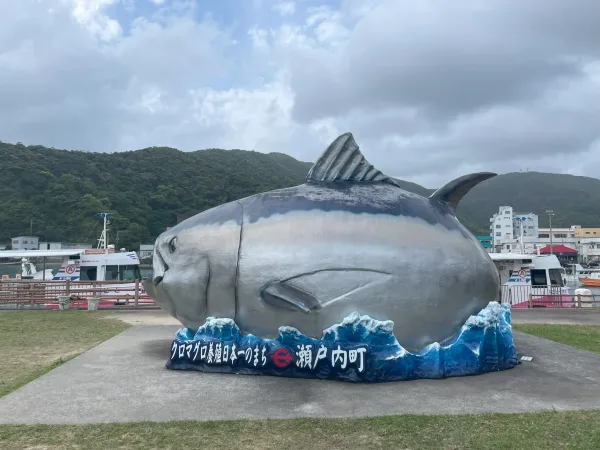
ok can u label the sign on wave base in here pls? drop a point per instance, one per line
(360, 349)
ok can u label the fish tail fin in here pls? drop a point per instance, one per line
(452, 193)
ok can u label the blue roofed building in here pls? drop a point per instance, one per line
(485, 241)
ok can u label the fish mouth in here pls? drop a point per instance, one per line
(159, 295)
(160, 268)
(164, 265)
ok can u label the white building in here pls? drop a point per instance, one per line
(528, 221)
(25, 243)
(588, 248)
(505, 226)
(558, 233)
(146, 251)
(62, 246)
(501, 226)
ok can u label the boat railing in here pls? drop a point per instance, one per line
(16, 293)
(527, 296)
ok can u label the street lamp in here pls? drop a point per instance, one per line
(550, 214)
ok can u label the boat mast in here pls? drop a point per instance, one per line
(103, 240)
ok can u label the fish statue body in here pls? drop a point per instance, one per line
(347, 240)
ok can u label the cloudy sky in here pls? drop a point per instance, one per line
(430, 89)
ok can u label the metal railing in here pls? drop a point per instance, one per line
(522, 296)
(45, 294)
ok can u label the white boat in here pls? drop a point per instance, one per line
(539, 279)
(580, 272)
(100, 264)
(29, 271)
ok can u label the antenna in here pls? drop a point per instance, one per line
(103, 239)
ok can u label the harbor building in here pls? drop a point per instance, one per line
(486, 242)
(507, 226)
(565, 255)
(574, 243)
(146, 251)
(25, 243)
(559, 233)
(501, 227)
(63, 246)
(587, 232)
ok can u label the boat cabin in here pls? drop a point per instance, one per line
(80, 265)
(534, 270)
(522, 275)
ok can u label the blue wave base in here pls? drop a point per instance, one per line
(360, 349)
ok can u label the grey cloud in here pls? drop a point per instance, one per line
(60, 87)
(435, 89)
(448, 58)
(554, 133)
(431, 90)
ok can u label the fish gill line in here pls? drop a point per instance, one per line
(206, 290)
(237, 261)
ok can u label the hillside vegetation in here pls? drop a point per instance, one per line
(61, 191)
(575, 200)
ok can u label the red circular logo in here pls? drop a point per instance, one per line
(281, 357)
(70, 269)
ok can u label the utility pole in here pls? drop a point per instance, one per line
(520, 221)
(550, 214)
(521, 237)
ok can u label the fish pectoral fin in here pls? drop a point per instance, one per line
(312, 291)
(284, 296)
(343, 161)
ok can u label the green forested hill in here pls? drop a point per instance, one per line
(575, 200)
(62, 190)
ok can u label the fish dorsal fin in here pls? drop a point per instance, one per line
(343, 161)
(452, 193)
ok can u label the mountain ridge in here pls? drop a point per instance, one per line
(62, 190)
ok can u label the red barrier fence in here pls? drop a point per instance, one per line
(522, 296)
(46, 294)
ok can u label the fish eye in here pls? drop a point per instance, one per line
(173, 244)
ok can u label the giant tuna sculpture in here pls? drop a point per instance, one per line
(347, 240)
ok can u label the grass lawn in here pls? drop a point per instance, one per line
(34, 342)
(492, 431)
(584, 337)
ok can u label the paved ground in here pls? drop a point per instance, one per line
(556, 316)
(145, 317)
(536, 315)
(124, 379)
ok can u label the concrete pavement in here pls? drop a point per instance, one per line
(566, 316)
(124, 380)
(535, 315)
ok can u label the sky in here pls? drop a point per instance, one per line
(430, 89)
